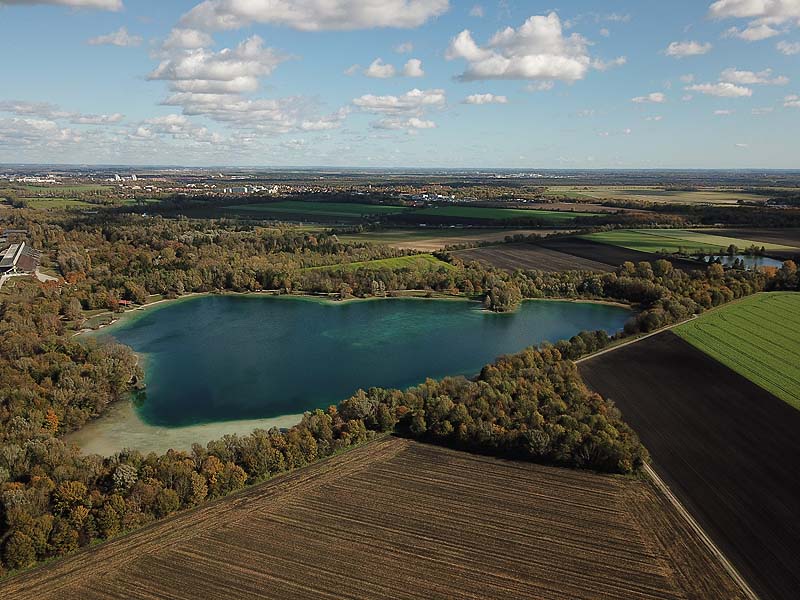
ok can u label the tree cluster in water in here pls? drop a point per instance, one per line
(530, 406)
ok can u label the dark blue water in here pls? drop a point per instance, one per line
(222, 358)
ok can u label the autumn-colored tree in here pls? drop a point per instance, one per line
(19, 551)
(51, 422)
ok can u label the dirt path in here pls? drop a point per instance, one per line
(695, 526)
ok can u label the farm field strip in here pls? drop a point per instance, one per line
(419, 261)
(327, 209)
(783, 237)
(429, 240)
(654, 241)
(411, 521)
(502, 214)
(656, 194)
(56, 203)
(758, 338)
(530, 257)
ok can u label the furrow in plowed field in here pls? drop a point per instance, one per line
(399, 519)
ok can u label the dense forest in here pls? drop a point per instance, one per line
(531, 406)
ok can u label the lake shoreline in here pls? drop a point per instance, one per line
(120, 427)
(125, 425)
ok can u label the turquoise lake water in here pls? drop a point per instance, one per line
(225, 358)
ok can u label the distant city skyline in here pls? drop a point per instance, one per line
(402, 83)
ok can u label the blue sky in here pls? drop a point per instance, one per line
(519, 84)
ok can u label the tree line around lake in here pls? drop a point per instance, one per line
(530, 406)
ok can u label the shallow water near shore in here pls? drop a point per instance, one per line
(215, 362)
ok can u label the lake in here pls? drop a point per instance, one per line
(750, 262)
(223, 358)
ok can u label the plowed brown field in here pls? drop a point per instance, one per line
(530, 257)
(727, 448)
(398, 519)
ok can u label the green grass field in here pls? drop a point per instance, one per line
(318, 209)
(502, 214)
(673, 241)
(57, 203)
(422, 262)
(758, 337)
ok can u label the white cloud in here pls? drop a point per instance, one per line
(652, 98)
(50, 112)
(476, 11)
(605, 134)
(603, 65)
(721, 89)
(120, 38)
(690, 48)
(97, 119)
(112, 5)
(762, 15)
(538, 49)
(767, 11)
(326, 123)
(406, 112)
(485, 99)
(413, 68)
(404, 48)
(764, 77)
(261, 115)
(654, 118)
(605, 32)
(236, 70)
(410, 125)
(36, 132)
(762, 111)
(723, 112)
(742, 145)
(174, 126)
(788, 48)
(587, 112)
(412, 102)
(190, 39)
(315, 15)
(689, 78)
(45, 110)
(212, 84)
(380, 70)
(540, 86)
(792, 101)
(753, 33)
